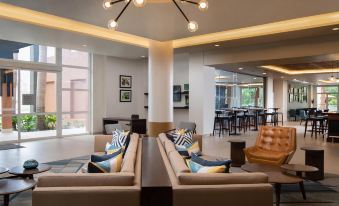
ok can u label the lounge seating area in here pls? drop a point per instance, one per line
(169, 103)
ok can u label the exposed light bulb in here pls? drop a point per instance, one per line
(332, 78)
(126, 1)
(112, 24)
(192, 26)
(139, 3)
(203, 5)
(106, 4)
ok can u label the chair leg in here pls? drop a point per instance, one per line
(305, 128)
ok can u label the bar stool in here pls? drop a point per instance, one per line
(218, 121)
(316, 128)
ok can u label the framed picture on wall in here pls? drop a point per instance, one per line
(176, 93)
(291, 97)
(125, 95)
(125, 81)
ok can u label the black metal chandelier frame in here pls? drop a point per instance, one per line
(174, 1)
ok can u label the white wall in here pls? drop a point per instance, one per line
(106, 91)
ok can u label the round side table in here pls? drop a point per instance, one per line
(24, 173)
(237, 152)
(314, 156)
(13, 186)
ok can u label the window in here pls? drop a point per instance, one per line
(327, 98)
(75, 92)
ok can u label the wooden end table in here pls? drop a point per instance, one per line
(24, 173)
(314, 156)
(275, 177)
(13, 186)
(3, 170)
(237, 152)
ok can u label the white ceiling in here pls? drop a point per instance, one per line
(163, 21)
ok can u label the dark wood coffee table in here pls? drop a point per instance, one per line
(275, 177)
(24, 173)
(299, 169)
(13, 186)
(3, 170)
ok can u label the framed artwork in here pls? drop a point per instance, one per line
(125, 95)
(186, 87)
(176, 93)
(125, 81)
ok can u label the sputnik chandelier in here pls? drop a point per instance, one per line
(192, 26)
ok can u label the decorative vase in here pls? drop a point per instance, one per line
(30, 164)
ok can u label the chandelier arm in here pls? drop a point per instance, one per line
(114, 2)
(123, 10)
(181, 11)
(191, 2)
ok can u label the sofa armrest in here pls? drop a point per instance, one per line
(221, 178)
(86, 196)
(240, 195)
(100, 142)
(86, 179)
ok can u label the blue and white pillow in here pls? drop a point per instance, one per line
(108, 166)
(181, 137)
(204, 162)
(188, 150)
(197, 168)
(120, 138)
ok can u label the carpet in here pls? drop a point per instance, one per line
(10, 146)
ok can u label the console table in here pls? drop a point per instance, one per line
(137, 125)
(156, 187)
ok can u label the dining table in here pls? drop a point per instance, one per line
(235, 111)
(256, 113)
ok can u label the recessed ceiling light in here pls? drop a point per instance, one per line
(254, 78)
(264, 73)
(241, 68)
(84, 45)
(72, 50)
(295, 80)
(142, 56)
(216, 45)
(335, 29)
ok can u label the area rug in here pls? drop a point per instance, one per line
(10, 146)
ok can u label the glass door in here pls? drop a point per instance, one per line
(28, 104)
(8, 104)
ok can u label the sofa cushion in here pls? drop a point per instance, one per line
(163, 138)
(130, 155)
(257, 153)
(169, 147)
(107, 166)
(197, 168)
(178, 163)
(85, 179)
(221, 178)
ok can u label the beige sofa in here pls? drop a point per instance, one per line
(104, 189)
(238, 189)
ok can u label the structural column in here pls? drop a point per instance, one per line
(160, 87)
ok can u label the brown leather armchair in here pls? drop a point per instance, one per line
(274, 146)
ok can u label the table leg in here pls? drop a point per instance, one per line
(302, 189)
(6, 200)
(277, 187)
